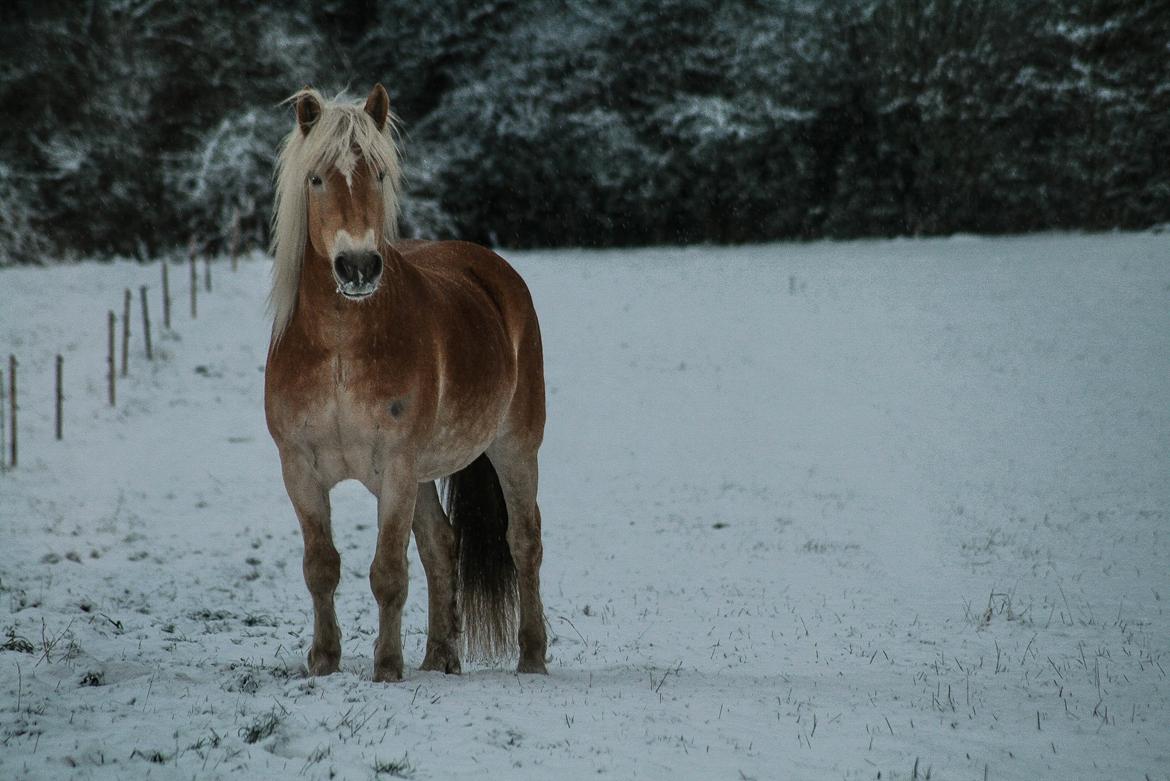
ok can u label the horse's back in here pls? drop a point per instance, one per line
(454, 267)
(463, 273)
(460, 259)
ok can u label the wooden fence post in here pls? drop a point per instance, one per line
(12, 408)
(166, 295)
(207, 272)
(60, 396)
(113, 320)
(234, 241)
(126, 333)
(146, 323)
(194, 280)
(3, 423)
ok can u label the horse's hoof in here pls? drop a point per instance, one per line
(532, 667)
(321, 663)
(442, 660)
(388, 673)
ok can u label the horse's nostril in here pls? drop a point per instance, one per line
(373, 265)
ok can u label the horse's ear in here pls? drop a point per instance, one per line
(378, 105)
(308, 111)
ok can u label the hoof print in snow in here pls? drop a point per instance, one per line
(93, 678)
(210, 616)
(505, 739)
(259, 620)
(245, 682)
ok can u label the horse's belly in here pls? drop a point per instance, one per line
(440, 463)
(345, 447)
(456, 442)
(356, 430)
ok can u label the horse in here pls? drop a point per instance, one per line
(400, 363)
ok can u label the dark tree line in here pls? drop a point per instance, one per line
(129, 125)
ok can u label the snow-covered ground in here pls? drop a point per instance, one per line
(811, 511)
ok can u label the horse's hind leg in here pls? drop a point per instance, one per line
(322, 564)
(436, 547)
(516, 468)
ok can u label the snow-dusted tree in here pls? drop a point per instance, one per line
(231, 168)
(129, 125)
(927, 89)
(422, 51)
(1108, 77)
(21, 241)
(111, 97)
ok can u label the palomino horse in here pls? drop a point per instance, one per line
(399, 363)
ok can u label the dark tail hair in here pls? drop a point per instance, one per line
(487, 590)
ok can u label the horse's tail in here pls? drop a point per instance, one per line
(487, 589)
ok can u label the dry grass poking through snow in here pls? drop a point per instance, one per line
(811, 511)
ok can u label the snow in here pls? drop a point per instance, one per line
(811, 511)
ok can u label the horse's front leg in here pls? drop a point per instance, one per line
(388, 577)
(322, 564)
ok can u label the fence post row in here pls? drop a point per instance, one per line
(8, 422)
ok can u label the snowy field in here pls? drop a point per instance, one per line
(811, 511)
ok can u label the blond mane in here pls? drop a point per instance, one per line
(342, 135)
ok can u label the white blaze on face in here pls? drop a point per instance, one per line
(346, 164)
(344, 242)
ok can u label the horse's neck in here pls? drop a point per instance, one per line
(330, 320)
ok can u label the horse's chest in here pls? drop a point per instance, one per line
(335, 411)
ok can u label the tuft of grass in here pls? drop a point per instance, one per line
(916, 774)
(208, 741)
(315, 756)
(15, 642)
(999, 603)
(156, 757)
(261, 728)
(398, 768)
(49, 643)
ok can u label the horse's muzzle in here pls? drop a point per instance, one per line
(357, 273)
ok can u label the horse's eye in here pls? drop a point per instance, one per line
(315, 180)
(381, 175)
